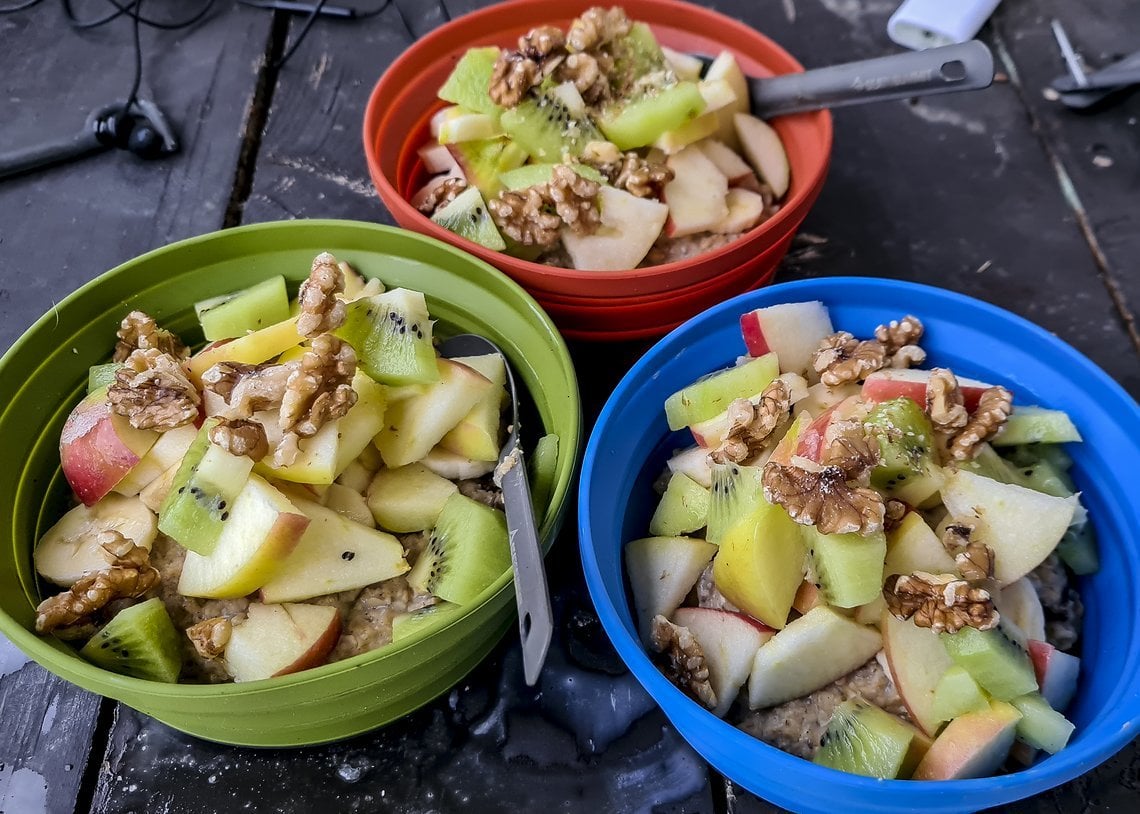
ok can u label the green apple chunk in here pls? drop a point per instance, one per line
(809, 653)
(414, 425)
(848, 567)
(760, 564)
(1020, 525)
(1036, 425)
(684, 508)
(1041, 726)
(408, 498)
(468, 551)
(334, 554)
(710, 396)
(956, 694)
(995, 659)
(661, 571)
(250, 309)
(477, 435)
(391, 334)
(262, 530)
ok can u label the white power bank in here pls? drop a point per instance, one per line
(920, 24)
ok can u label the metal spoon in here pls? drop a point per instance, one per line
(531, 592)
(951, 68)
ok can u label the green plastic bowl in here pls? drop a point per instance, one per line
(44, 375)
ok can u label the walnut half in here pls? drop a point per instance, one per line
(942, 602)
(210, 636)
(994, 408)
(824, 499)
(153, 391)
(321, 310)
(752, 424)
(685, 666)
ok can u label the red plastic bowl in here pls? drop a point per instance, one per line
(396, 126)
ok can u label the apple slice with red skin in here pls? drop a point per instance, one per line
(791, 330)
(729, 641)
(98, 447)
(972, 745)
(1057, 673)
(884, 385)
(276, 640)
(917, 661)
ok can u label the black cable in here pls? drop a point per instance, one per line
(133, 96)
(312, 18)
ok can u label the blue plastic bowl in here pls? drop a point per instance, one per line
(631, 441)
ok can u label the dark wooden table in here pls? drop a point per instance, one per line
(1003, 195)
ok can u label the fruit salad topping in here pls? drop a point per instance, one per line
(240, 437)
(598, 149)
(321, 309)
(152, 390)
(318, 390)
(210, 636)
(879, 561)
(944, 603)
(139, 331)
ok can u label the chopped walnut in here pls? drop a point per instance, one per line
(975, 560)
(944, 402)
(907, 356)
(138, 331)
(240, 436)
(895, 512)
(585, 71)
(602, 155)
(899, 333)
(522, 216)
(249, 388)
(153, 391)
(852, 452)
(686, 665)
(994, 408)
(824, 499)
(512, 78)
(129, 576)
(708, 595)
(752, 424)
(541, 42)
(318, 390)
(942, 602)
(443, 193)
(842, 358)
(642, 177)
(210, 636)
(596, 27)
(575, 200)
(321, 310)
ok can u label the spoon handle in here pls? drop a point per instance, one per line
(951, 68)
(536, 624)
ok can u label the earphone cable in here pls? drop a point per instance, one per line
(133, 96)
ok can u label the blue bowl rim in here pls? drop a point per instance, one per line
(1123, 704)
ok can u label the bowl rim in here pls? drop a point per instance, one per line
(41, 650)
(390, 196)
(1121, 706)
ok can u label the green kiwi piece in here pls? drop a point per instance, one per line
(906, 469)
(543, 462)
(140, 641)
(1041, 726)
(956, 694)
(683, 509)
(100, 376)
(250, 309)
(1029, 454)
(530, 175)
(637, 56)
(484, 160)
(863, 739)
(205, 486)
(637, 123)
(995, 659)
(469, 83)
(432, 616)
(467, 216)
(1078, 549)
(392, 336)
(468, 550)
(736, 493)
(848, 567)
(547, 130)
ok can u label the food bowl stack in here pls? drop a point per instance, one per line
(598, 305)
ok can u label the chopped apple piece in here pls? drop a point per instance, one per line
(884, 385)
(1019, 603)
(251, 349)
(972, 745)
(697, 194)
(693, 462)
(276, 640)
(729, 642)
(917, 661)
(729, 162)
(764, 150)
(726, 67)
(98, 447)
(913, 546)
(662, 570)
(745, 210)
(476, 436)
(70, 549)
(1056, 673)
(791, 330)
(448, 465)
(629, 228)
(166, 452)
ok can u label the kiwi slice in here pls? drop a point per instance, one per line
(140, 641)
(638, 122)
(392, 336)
(547, 130)
(735, 495)
(250, 309)
(956, 694)
(863, 739)
(468, 550)
(205, 486)
(638, 56)
(906, 469)
(848, 567)
(484, 160)
(531, 175)
(543, 462)
(407, 624)
(683, 509)
(1041, 726)
(101, 376)
(467, 216)
(470, 80)
(995, 659)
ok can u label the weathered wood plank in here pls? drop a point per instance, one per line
(61, 227)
